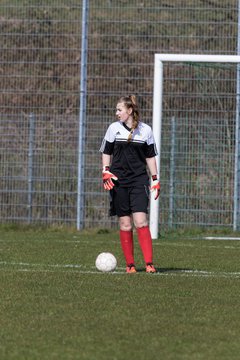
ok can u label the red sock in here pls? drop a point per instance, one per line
(145, 241)
(126, 238)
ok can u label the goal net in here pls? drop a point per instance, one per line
(194, 124)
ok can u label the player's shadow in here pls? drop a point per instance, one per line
(171, 270)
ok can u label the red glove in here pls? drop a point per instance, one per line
(108, 178)
(155, 186)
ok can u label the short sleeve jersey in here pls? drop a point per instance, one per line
(129, 158)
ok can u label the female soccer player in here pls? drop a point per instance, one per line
(128, 149)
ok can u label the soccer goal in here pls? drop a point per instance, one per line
(205, 195)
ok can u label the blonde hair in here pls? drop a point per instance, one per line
(130, 101)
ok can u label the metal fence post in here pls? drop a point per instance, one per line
(30, 164)
(82, 117)
(236, 210)
(172, 172)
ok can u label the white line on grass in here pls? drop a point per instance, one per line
(221, 238)
(33, 267)
(44, 265)
(193, 245)
(195, 273)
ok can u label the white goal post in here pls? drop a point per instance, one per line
(157, 121)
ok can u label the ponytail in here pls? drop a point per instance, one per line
(130, 102)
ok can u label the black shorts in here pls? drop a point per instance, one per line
(127, 200)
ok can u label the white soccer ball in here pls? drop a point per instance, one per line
(106, 262)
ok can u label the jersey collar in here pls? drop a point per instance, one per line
(126, 127)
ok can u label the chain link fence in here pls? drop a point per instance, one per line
(40, 64)
(198, 144)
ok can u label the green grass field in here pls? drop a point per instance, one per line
(55, 305)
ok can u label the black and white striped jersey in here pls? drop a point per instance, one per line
(129, 158)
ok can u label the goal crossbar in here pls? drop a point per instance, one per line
(157, 116)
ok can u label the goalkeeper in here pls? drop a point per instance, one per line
(128, 150)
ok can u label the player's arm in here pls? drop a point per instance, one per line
(155, 183)
(107, 149)
(106, 160)
(107, 176)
